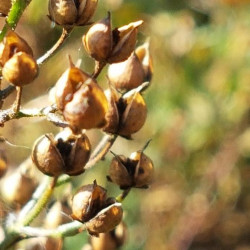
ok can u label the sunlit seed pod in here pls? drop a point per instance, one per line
(120, 173)
(88, 201)
(106, 220)
(126, 75)
(17, 187)
(68, 84)
(5, 7)
(88, 107)
(98, 40)
(21, 69)
(144, 171)
(112, 115)
(111, 240)
(134, 116)
(66, 153)
(47, 157)
(13, 43)
(3, 163)
(124, 41)
(145, 58)
(63, 12)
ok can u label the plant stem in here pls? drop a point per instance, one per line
(98, 68)
(120, 198)
(16, 11)
(17, 104)
(65, 34)
(40, 203)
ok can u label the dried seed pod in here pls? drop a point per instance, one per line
(126, 40)
(88, 201)
(119, 171)
(145, 58)
(88, 107)
(106, 220)
(135, 171)
(98, 40)
(18, 187)
(5, 7)
(111, 240)
(13, 43)
(81, 100)
(134, 116)
(144, 171)
(71, 12)
(112, 115)
(68, 84)
(105, 45)
(67, 153)
(128, 74)
(3, 163)
(20, 69)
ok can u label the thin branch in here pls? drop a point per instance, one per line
(65, 34)
(98, 68)
(101, 150)
(120, 198)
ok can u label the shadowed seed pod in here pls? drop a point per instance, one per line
(126, 115)
(72, 12)
(3, 163)
(88, 201)
(111, 240)
(107, 45)
(4, 7)
(135, 171)
(145, 58)
(66, 153)
(81, 100)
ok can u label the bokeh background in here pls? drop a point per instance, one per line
(198, 120)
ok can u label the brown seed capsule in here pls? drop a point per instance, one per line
(105, 45)
(72, 12)
(67, 153)
(144, 171)
(126, 114)
(112, 115)
(18, 187)
(135, 171)
(5, 7)
(13, 43)
(126, 40)
(88, 201)
(98, 40)
(134, 116)
(88, 107)
(81, 100)
(126, 75)
(106, 220)
(20, 69)
(145, 58)
(111, 240)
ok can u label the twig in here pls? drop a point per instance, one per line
(120, 198)
(98, 68)
(65, 34)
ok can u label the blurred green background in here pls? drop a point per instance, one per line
(198, 119)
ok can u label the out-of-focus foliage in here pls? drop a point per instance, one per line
(199, 120)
